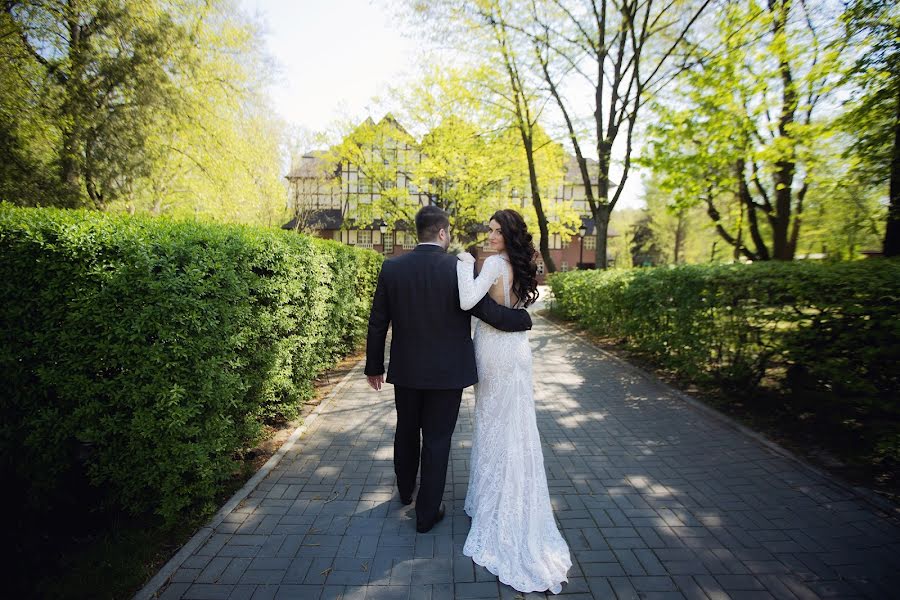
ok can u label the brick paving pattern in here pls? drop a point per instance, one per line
(658, 500)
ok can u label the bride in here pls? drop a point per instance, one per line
(513, 532)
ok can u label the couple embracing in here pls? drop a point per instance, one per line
(428, 298)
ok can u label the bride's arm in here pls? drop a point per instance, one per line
(471, 288)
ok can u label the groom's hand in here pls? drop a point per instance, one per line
(375, 381)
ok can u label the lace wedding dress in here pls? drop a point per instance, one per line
(513, 532)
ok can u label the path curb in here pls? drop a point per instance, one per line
(153, 586)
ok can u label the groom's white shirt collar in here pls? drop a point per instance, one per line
(429, 244)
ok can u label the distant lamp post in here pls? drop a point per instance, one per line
(582, 231)
(382, 227)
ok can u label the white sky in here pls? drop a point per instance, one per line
(334, 56)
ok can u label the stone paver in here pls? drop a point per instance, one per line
(656, 499)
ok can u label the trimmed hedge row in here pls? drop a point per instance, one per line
(146, 352)
(829, 326)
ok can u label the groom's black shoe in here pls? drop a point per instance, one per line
(437, 519)
(406, 501)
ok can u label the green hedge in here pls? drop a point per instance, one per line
(146, 352)
(830, 325)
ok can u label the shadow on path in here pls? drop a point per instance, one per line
(656, 498)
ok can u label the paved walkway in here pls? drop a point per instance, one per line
(656, 498)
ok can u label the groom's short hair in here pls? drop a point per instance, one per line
(429, 222)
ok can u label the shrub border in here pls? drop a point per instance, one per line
(870, 497)
(152, 587)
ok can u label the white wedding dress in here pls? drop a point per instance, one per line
(513, 532)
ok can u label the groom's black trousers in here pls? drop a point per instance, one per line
(434, 412)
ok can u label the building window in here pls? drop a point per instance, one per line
(364, 238)
(388, 241)
(590, 242)
(409, 240)
(486, 244)
(565, 266)
(566, 243)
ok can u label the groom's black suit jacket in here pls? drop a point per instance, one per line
(431, 347)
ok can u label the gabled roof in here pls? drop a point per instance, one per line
(330, 218)
(588, 223)
(312, 165)
(390, 120)
(573, 172)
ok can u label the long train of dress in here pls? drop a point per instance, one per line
(513, 532)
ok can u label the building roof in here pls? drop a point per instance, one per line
(392, 121)
(332, 219)
(312, 165)
(588, 223)
(573, 173)
(321, 219)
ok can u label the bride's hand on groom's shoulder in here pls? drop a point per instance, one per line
(465, 257)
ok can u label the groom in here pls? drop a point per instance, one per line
(432, 357)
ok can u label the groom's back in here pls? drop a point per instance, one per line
(431, 347)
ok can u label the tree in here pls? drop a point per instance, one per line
(679, 230)
(645, 248)
(470, 160)
(621, 51)
(743, 124)
(101, 78)
(524, 116)
(491, 160)
(874, 115)
(483, 30)
(138, 105)
(463, 172)
(377, 159)
(845, 213)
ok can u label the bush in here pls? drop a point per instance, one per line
(146, 352)
(832, 326)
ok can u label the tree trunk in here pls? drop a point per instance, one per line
(602, 210)
(601, 230)
(69, 163)
(734, 242)
(892, 231)
(747, 202)
(90, 183)
(679, 237)
(528, 142)
(72, 158)
(525, 125)
(783, 177)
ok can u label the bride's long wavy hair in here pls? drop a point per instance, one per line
(521, 252)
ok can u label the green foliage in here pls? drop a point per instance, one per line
(138, 106)
(872, 116)
(383, 154)
(684, 234)
(743, 133)
(146, 352)
(835, 326)
(474, 161)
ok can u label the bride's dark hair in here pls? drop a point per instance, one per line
(521, 252)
